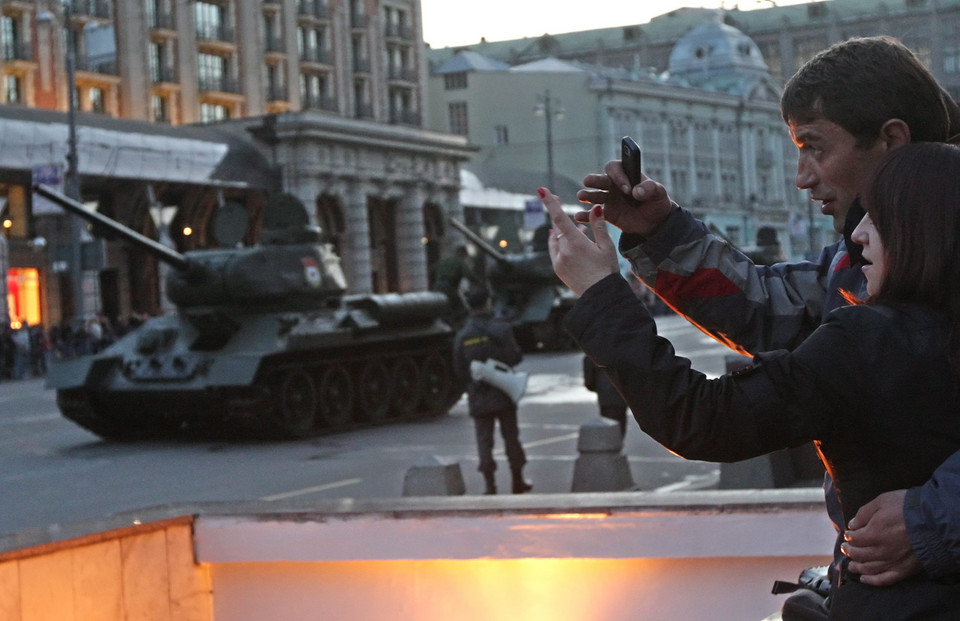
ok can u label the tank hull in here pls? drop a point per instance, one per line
(371, 360)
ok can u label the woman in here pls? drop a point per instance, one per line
(877, 386)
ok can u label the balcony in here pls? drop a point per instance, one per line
(13, 50)
(216, 32)
(90, 8)
(317, 56)
(318, 9)
(277, 93)
(363, 111)
(405, 117)
(399, 31)
(164, 74)
(361, 65)
(403, 74)
(108, 67)
(324, 102)
(162, 21)
(219, 84)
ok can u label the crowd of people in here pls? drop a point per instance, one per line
(27, 350)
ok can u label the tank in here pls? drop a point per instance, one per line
(264, 342)
(526, 292)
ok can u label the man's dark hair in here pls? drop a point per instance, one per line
(861, 83)
(913, 200)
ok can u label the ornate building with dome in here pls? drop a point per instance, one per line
(708, 125)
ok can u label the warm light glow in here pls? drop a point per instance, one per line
(187, 231)
(7, 223)
(424, 240)
(23, 295)
(503, 243)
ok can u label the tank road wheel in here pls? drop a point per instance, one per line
(437, 383)
(336, 397)
(298, 404)
(374, 391)
(406, 387)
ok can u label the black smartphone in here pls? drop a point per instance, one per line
(630, 159)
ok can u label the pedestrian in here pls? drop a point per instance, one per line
(845, 109)
(448, 274)
(879, 427)
(483, 338)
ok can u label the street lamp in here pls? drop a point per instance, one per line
(71, 178)
(549, 108)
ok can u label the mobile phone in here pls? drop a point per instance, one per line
(630, 159)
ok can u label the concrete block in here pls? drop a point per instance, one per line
(600, 435)
(601, 467)
(432, 476)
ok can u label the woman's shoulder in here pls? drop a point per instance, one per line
(894, 318)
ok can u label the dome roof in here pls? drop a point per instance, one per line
(715, 48)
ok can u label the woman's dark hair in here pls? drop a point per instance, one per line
(913, 199)
(862, 83)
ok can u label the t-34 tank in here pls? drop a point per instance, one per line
(263, 342)
(525, 291)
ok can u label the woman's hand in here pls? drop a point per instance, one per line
(579, 261)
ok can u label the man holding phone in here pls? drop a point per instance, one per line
(845, 109)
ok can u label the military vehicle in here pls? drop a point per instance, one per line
(525, 291)
(264, 342)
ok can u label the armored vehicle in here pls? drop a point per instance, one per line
(264, 341)
(525, 291)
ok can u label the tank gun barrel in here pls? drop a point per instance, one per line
(479, 241)
(167, 255)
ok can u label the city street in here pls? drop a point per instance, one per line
(53, 472)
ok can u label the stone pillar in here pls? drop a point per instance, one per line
(409, 238)
(356, 259)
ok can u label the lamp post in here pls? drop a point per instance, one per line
(548, 107)
(71, 178)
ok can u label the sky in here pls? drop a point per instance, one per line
(448, 23)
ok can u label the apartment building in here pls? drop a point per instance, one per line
(322, 99)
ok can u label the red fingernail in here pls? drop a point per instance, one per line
(542, 192)
(597, 210)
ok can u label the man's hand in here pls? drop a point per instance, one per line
(638, 209)
(579, 261)
(877, 542)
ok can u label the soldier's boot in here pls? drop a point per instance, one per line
(520, 485)
(491, 482)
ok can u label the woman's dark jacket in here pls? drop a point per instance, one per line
(872, 386)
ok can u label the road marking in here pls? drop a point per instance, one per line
(545, 441)
(311, 490)
(24, 420)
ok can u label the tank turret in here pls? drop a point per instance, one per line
(525, 291)
(264, 341)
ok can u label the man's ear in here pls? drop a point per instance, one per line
(895, 133)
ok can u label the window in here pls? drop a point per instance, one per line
(12, 91)
(97, 103)
(210, 113)
(159, 109)
(454, 81)
(10, 37)
(211, 71)
(210, 20)
(458, 118)
(501, 134)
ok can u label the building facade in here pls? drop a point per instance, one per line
(709, 129)
(322, 99)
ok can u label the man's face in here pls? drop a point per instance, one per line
(831, 165)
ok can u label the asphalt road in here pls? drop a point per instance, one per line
(53, 472)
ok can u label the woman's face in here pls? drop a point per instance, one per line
(874, 268)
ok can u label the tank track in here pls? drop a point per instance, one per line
(296, 395)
